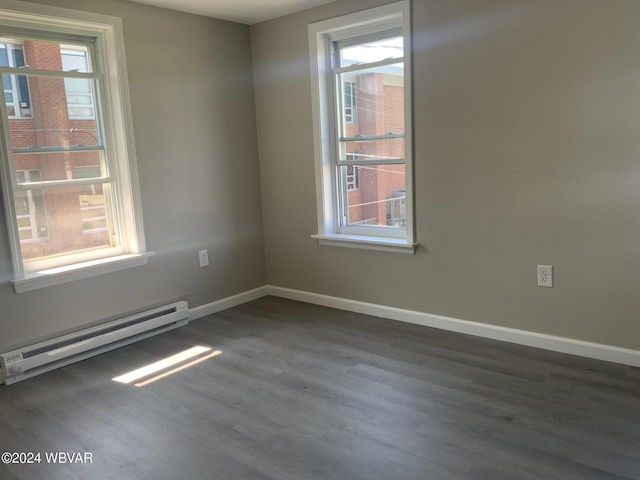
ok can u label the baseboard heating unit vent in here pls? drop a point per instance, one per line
(46, 356)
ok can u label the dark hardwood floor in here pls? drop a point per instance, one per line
(306, 392)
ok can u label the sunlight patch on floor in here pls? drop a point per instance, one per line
(167, 366)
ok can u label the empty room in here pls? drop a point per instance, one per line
(320, 240)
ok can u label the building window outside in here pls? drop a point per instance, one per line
(362, 84)
(78, 90)
(16, 89)
(353, 174)
(92, 206)
(30, 209)
(73, 197)
(350, 107)
(353, 177)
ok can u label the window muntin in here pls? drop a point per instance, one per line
(384, 206)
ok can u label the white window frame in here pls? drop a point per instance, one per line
(119, 142)
(326, 102)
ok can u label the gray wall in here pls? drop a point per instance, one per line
(527, 121)
(194, 120)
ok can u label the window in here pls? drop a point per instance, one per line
(361, 66)
(16, 90)
(30, 211)
(350, 108)
(92, 205)
(67, 158)
(78, 90)
(353, 177)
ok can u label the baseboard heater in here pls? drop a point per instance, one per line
(52, 354)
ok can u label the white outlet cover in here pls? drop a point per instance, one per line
(203, 258)
(545, 275)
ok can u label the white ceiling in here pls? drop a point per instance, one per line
(241, 11)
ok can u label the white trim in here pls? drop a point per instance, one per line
(554, 343)
(381, 244)
(228, 302)
(78, 271)
(597, 351)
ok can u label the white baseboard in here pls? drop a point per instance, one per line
(554, 343)
(571, 346)
(229, 302)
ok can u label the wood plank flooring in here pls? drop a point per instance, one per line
(307, 392)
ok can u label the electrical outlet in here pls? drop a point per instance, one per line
(203, 258)
(545, 275)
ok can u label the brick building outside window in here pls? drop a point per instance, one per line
(55, 137)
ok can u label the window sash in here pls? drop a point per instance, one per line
(109, 183)
(339, 141)
(96, 85)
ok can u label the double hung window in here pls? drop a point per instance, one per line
(361, 73)
(79, 91)
(67, 159)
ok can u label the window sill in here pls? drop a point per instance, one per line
(380, 244)
(78, 271)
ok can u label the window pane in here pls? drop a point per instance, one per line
(79, 90)
(45, 55)
(75, 59)
(23, 93)
(60, 165)
(379, 200)
(377, 100)
(372, 51)
(18, 56)
(72, 219)
(55, 128)
(78, 85)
